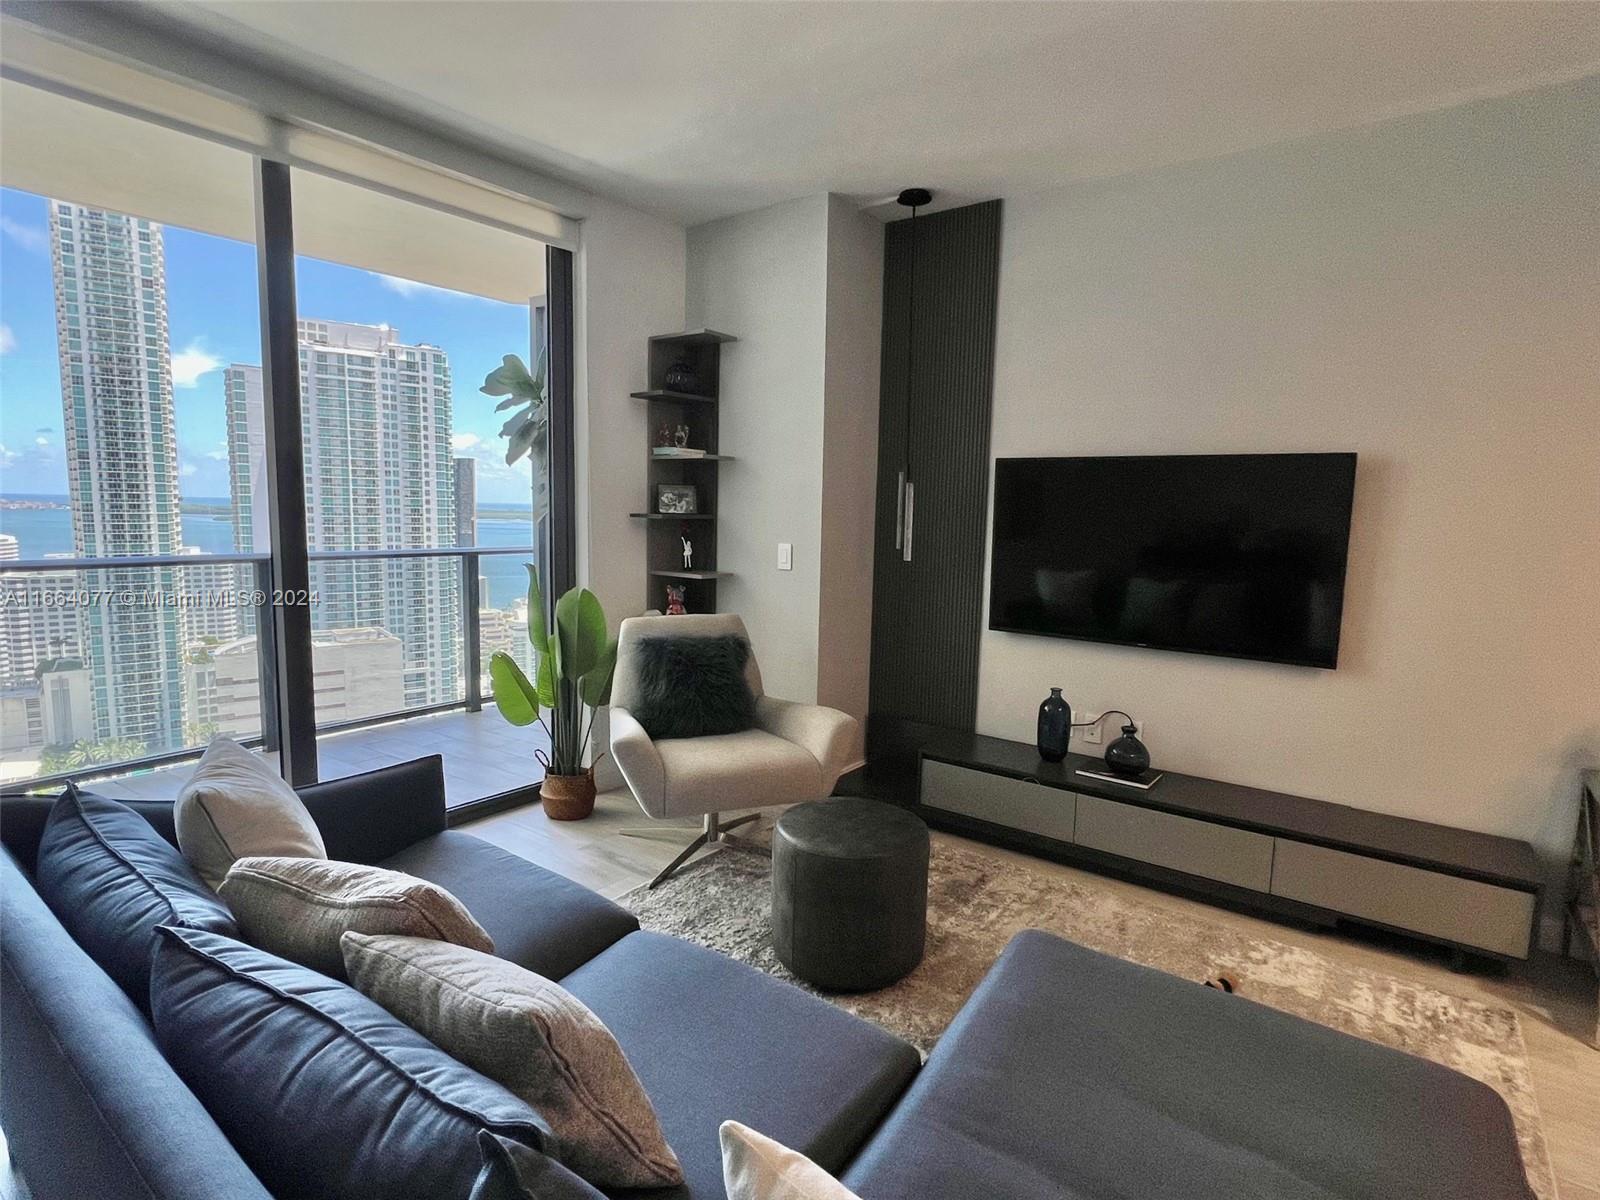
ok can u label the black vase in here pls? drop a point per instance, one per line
(1055, 726)
(1127, 755)
(681, 378)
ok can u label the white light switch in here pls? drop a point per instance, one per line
(785, 556)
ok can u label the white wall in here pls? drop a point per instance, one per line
(800, 285)
(1426, 293)
(850, 456)
(629, 278)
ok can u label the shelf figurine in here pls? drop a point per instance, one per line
(675, 606)
(688, 554)
(680, 437)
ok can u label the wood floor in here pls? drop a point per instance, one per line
(1554, 997)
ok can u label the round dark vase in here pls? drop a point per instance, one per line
(1055, 726)
(1127, 755)
(681, 378)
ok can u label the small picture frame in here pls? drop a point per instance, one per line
(679, 499)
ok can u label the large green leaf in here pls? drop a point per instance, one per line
(596, 686)
(538, 632)
(580, 633)
(510, 378)
(546, 680)
(514, 696)
(520, 440)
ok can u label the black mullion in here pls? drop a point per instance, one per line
(280, 385)
(563, 531)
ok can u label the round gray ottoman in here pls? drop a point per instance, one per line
(849, 892)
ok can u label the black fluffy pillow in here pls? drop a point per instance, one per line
(694, 687)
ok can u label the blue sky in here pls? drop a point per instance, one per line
(212, 321)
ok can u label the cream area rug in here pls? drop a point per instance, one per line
(977, 901)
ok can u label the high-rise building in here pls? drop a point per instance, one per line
(247, 457)
(466, 501)
(375, 427)
(35, 625)
(209, 616)
(122, 458)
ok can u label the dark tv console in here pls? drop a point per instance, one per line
(1296, 857)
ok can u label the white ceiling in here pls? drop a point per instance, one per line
(697, 110)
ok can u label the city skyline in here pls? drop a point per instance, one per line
(212, 317)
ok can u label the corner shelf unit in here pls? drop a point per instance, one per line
(666, 409)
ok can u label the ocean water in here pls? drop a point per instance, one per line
(41, 531)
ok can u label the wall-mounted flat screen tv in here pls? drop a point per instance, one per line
(1240, 555)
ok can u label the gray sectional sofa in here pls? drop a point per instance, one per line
(1067, 1075)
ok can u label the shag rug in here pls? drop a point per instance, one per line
(976, 902)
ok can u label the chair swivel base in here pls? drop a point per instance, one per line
(715, 830)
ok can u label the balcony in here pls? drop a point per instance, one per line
(127, 692)
(485, 758)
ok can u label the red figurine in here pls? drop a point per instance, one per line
(675, 606)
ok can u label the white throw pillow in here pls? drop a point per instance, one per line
(236, 806)
(755, 1167)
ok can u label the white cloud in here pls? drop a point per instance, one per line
(465, 441)
(410, 289)
(190, 363)
(29, 237)
(7, 455)
(8, 340)
(41, 440)
(188, 469)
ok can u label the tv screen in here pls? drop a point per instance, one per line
(1240, 555)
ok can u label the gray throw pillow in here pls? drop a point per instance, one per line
(693, 686)
(236, 806)
(533, 1037)
(299, 908)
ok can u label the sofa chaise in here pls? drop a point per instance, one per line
(1067, 1075)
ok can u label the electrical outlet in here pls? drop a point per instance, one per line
(1092, 732)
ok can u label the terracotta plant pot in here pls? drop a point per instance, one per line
(568, 797)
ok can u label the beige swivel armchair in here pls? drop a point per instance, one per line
(796, 752)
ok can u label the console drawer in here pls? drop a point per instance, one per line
(1033, 807)
(1219, 852)
(1443, 906)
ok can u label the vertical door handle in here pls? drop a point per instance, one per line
(911, 509)
(899, 509)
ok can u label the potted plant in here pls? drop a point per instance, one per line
(572, 677)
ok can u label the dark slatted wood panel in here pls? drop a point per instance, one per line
(927, 615)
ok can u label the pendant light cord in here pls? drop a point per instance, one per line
(911, 330)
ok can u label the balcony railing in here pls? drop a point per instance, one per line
(471, 694)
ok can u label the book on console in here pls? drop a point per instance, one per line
(1144, 780)
(675, 452)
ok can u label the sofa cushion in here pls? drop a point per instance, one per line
(1072, 1074)
(111, 879)
(538, 919)
(532, 1035)
(512, 1171)
(324, 1093)
(692, 687)
(234, 805)
(89, 1106)
(299, 908)
(713, 1040)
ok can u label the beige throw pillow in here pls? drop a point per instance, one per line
(755, 1167)
(299, 908)
(532, 1036)
(235, 806)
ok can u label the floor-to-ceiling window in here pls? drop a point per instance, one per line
(127, 285)
(137, 422)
